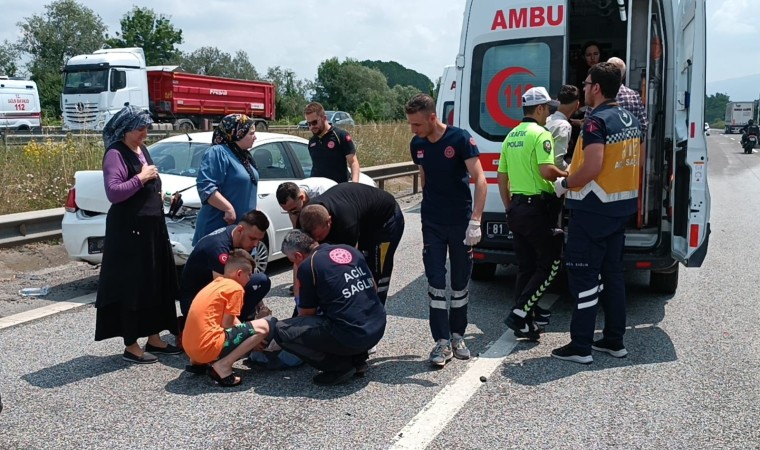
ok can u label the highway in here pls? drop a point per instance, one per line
(690, 381)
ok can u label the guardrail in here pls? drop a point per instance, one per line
(23, 228)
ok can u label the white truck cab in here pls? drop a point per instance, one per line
(509, 47)
(444, 104)
(97, 86)
(19, 105)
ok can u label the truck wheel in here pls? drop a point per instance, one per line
(262, 126)
(184, 126)
(664, 282)
(483, 271)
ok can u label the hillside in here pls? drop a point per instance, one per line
(400, 75)
(737, 89)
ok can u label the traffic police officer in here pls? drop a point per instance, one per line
(330, 147)
(340, 316)
(525, 175)
(603, 188)
(448, 158)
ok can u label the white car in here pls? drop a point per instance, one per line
(279, 158)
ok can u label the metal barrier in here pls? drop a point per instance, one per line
(23, 228)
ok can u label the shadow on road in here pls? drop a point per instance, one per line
(72, 371)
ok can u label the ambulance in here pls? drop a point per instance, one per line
(19, 104)
(508, 47)
(444, 105)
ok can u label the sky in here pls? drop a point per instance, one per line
(422, 35)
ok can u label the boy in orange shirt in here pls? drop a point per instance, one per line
(213, 334)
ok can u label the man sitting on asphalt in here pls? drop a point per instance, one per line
(360, 216)
(335, 281)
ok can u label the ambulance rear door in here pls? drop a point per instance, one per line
(505, 49)
(444, 106)
(691, 196)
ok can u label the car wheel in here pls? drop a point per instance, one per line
(483, 271)
(261, 255)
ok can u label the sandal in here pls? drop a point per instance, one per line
(230, 380)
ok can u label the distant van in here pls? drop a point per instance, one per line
(444, 105)
(19, 104)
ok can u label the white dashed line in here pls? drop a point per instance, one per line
(34, 314)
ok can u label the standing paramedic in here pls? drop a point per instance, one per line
(447, 157)
(602, 190)
(526, 173)
(330, 147)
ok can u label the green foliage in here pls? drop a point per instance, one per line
(399, 75)
(8, 59)
(715, 107)
(291, 95)
(347, 85)
(155, 34)
(212, 61)
(65, 30)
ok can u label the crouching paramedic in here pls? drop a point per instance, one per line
(335, 280)
(213, 334)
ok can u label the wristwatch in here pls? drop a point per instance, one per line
(563, 183)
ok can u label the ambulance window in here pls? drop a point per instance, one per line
(502, 72)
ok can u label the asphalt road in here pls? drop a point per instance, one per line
(691, 380)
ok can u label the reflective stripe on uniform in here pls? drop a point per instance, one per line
(438, 304)
(436, 293)
(589, 304)
(592, 186)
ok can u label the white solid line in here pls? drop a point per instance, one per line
(34, 314)
(428, 423)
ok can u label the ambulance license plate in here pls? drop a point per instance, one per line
(498, 229)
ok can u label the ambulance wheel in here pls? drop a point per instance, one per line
(664, 282)
(483, 271)
(261, 255)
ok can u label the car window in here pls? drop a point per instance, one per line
(302, 153)
(271, 161)
(178, 158)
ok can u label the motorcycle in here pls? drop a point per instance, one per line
(750, 141)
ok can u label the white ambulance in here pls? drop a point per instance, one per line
(19, 104)
(444, 104)
(509, 47)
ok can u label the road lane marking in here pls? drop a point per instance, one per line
(34, 314)
(434, 417)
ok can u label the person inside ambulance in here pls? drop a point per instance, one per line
(751, 129)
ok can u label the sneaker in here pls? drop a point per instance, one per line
(541, 315)
(441, 353)
(333, 378)
(571, 353)
(146, 358)
(616, 350)
(521, 327)
(459, 347)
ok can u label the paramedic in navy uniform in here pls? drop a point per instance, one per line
(340, 316)
(330, 147)
(447, 157)
(602, 190)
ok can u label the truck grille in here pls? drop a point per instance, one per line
(81, 114)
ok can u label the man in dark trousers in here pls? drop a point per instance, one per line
(360, 216)
(525, 175)
(340, 316)
(602, 190)
(330, 148)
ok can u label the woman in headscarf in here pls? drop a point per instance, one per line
(227, 179)
(138, 280)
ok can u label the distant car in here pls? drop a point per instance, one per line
(279, 158)
(707, 129)
(338, 118)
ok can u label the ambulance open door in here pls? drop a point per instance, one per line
(691, 196)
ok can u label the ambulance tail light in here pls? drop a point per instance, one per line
(644, 265)
(694, 236)
(71, 201)
(478, 256)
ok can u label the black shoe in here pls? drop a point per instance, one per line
(521, 327)
(571, 353)
(168, 350)
(333, 377)
(361, 369)
(615, 349)
(541, 315)
(290, 289)
(146, 358)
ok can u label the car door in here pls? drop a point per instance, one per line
(691, 199)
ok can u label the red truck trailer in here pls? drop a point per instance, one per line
(186, 99)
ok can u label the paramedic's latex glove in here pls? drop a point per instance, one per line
(558, 188)
(472, 236)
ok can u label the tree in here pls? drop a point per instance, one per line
(292, 93)
(212, 61)
(65, 30)
(399, 75)
(155, 34)
(8, 59)
(715, 107)
(348, 85)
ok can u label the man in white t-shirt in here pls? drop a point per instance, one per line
(559, 125)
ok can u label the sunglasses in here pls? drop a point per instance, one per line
(313, 123)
